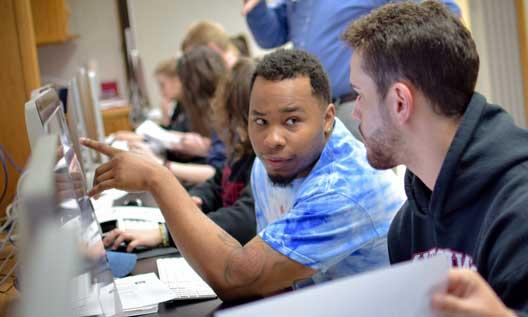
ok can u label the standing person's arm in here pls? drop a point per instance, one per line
(453, 6)
(269, 25)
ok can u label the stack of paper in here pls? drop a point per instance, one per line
(141, 294)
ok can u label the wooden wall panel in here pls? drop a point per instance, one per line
(18, 76)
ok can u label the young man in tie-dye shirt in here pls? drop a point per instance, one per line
(317, 200)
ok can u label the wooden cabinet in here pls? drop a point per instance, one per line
(51, 21)
(19, 76)
(116, 119)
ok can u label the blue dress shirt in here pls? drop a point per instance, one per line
(316, 27)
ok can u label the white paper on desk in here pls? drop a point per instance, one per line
(141, 291)
(96, 300)
(106, 199)
(401, 290)
(153, 131)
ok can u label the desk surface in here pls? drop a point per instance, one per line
(179, 308)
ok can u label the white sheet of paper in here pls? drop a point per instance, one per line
(400, 290)
(140, 291)
(106, 199)
(152, 130)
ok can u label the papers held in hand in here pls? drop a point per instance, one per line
(401, 290)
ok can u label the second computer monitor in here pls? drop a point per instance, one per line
(89, 99)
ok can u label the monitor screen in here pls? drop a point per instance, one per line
(56, 123)
(75, 120)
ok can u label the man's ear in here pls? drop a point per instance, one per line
(329, 117)
(400, 102)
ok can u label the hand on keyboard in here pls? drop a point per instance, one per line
(135, 238)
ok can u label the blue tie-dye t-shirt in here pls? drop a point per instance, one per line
(336, 219)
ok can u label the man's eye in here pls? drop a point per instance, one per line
(260, 121)
(291, 121)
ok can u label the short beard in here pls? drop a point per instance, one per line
(380, 150)
(282, 181)
(382, 145)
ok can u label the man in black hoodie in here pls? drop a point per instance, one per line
(414, 68)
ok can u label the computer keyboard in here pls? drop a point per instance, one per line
(182, 279)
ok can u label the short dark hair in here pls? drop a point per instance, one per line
(290, 64)
(425, 44)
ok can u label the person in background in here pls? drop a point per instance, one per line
(172, 115)
(212, 35)
(226, 198)
(414, 69)
(315, 26)
(199, 71)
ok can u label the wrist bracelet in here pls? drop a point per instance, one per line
(164, 235)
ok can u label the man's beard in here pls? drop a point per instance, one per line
(381, 146)
(282, 181)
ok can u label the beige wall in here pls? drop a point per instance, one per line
(160, 25)
(493, 25)
(494, 28)
(464, 7)
(97, 24)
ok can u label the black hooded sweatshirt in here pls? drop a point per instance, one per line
(477, 213)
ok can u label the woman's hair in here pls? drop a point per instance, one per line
(240, 41)
(167, 68)
(230, 109)
(200, 70)
(203, 33)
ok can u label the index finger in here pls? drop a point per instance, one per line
(99, 147)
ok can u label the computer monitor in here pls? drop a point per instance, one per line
(95, 92)
(136, 82)
(57, 216)
(44, 115)
(40, 235)
(76, 122)
(90, 110)
(34, 111)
